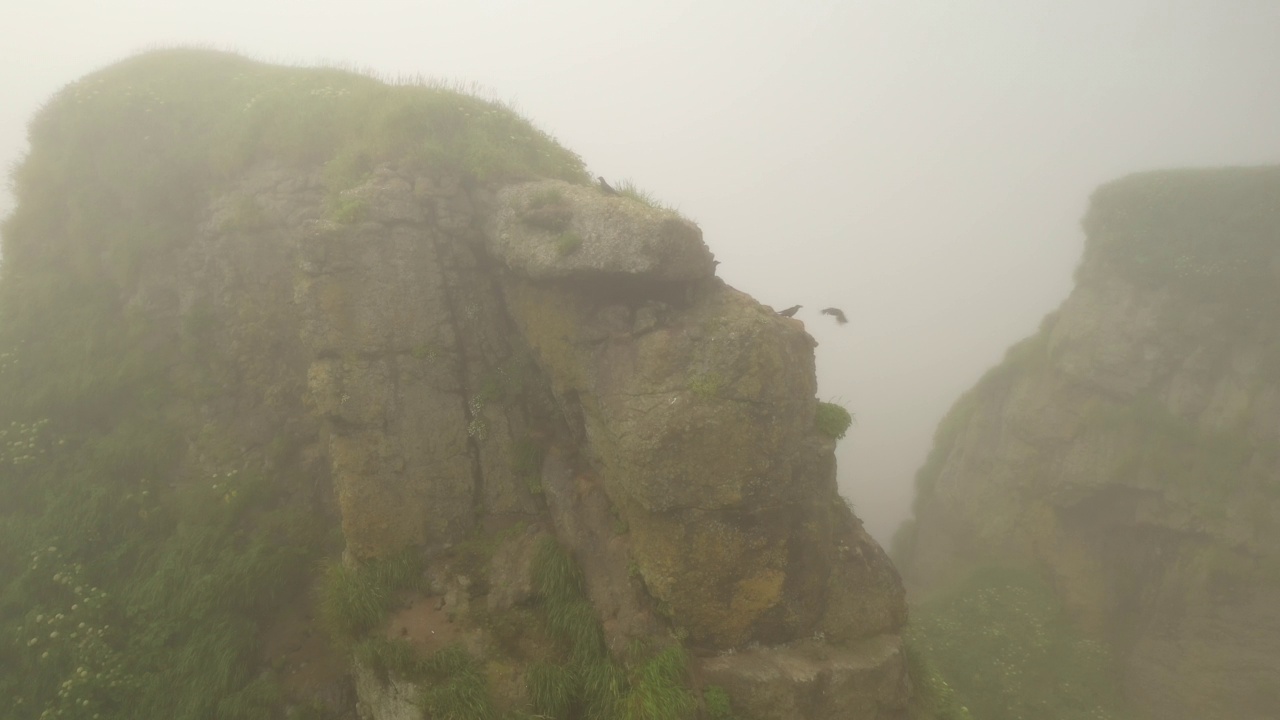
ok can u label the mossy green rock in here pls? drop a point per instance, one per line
(696, 405)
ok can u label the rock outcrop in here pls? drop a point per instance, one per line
(1131, 448)
(416, 297)
(681, 463)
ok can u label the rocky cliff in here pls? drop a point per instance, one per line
(1130, 449)
(255, 317)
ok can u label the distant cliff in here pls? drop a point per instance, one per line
(1130, 449)
(324, 395)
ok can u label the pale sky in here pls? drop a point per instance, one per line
(923, 165)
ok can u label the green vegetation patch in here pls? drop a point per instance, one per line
(585, 681)
(567, 243)
(931, 698)
(121, 600)
(1207, 232)
(455, 686)
(658, 688)
(716, 701)
(353, 601)
(1000, 647)
(123, 160)
(629, 189)
(452, 680)
(832, 420)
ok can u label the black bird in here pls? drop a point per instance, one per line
(606, 187)
(836, 313)
(790, 312)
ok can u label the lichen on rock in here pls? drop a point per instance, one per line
(406, 314)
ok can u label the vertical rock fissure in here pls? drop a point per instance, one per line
(471, 409)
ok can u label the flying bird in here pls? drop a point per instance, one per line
(836, 313)
(605, 186)
(790, 312)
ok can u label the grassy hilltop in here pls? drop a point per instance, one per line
(134, 580)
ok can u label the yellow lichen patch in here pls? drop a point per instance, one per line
(754, 595)
(376, 519)
(551, 321)
(719, 592)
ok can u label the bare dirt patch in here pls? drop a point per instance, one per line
(425, 623)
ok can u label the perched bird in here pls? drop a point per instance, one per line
(790, 312)
(836, 313)
(605, 186)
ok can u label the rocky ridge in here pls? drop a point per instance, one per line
(1131, 448)
(571, 468)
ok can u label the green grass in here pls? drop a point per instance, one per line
(659, 688)
(716, 701)
(553, 689)
(999, 646)
(562, 595)
(629, 189)
(832, 420)
(1208, 233)
(584, 680)
(452, 681)
(388, 658)
(122, 161)
(132, 605)
(345, 209)
(354, 601)
(932, 698)
(567, 243)
(526, 458)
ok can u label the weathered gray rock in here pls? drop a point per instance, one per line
(701, 434)
(511, 571)
(393, 699)
(814, 680)
(592, 235)
(617, 393)
(1132, 447)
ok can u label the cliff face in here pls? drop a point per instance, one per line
(513, 393)
(1130, 449)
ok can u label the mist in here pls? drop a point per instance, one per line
(922, 166)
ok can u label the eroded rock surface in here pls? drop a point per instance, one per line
(474, 370)
(1132, 447)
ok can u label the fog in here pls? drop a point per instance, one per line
(922, 165)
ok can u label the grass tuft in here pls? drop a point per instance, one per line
(567, 243)
(659, 690)
(354, 601)
(832, 420)
(387, 658)
(629, 189)
(553, 689)
(456, 688)
(716, 701)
